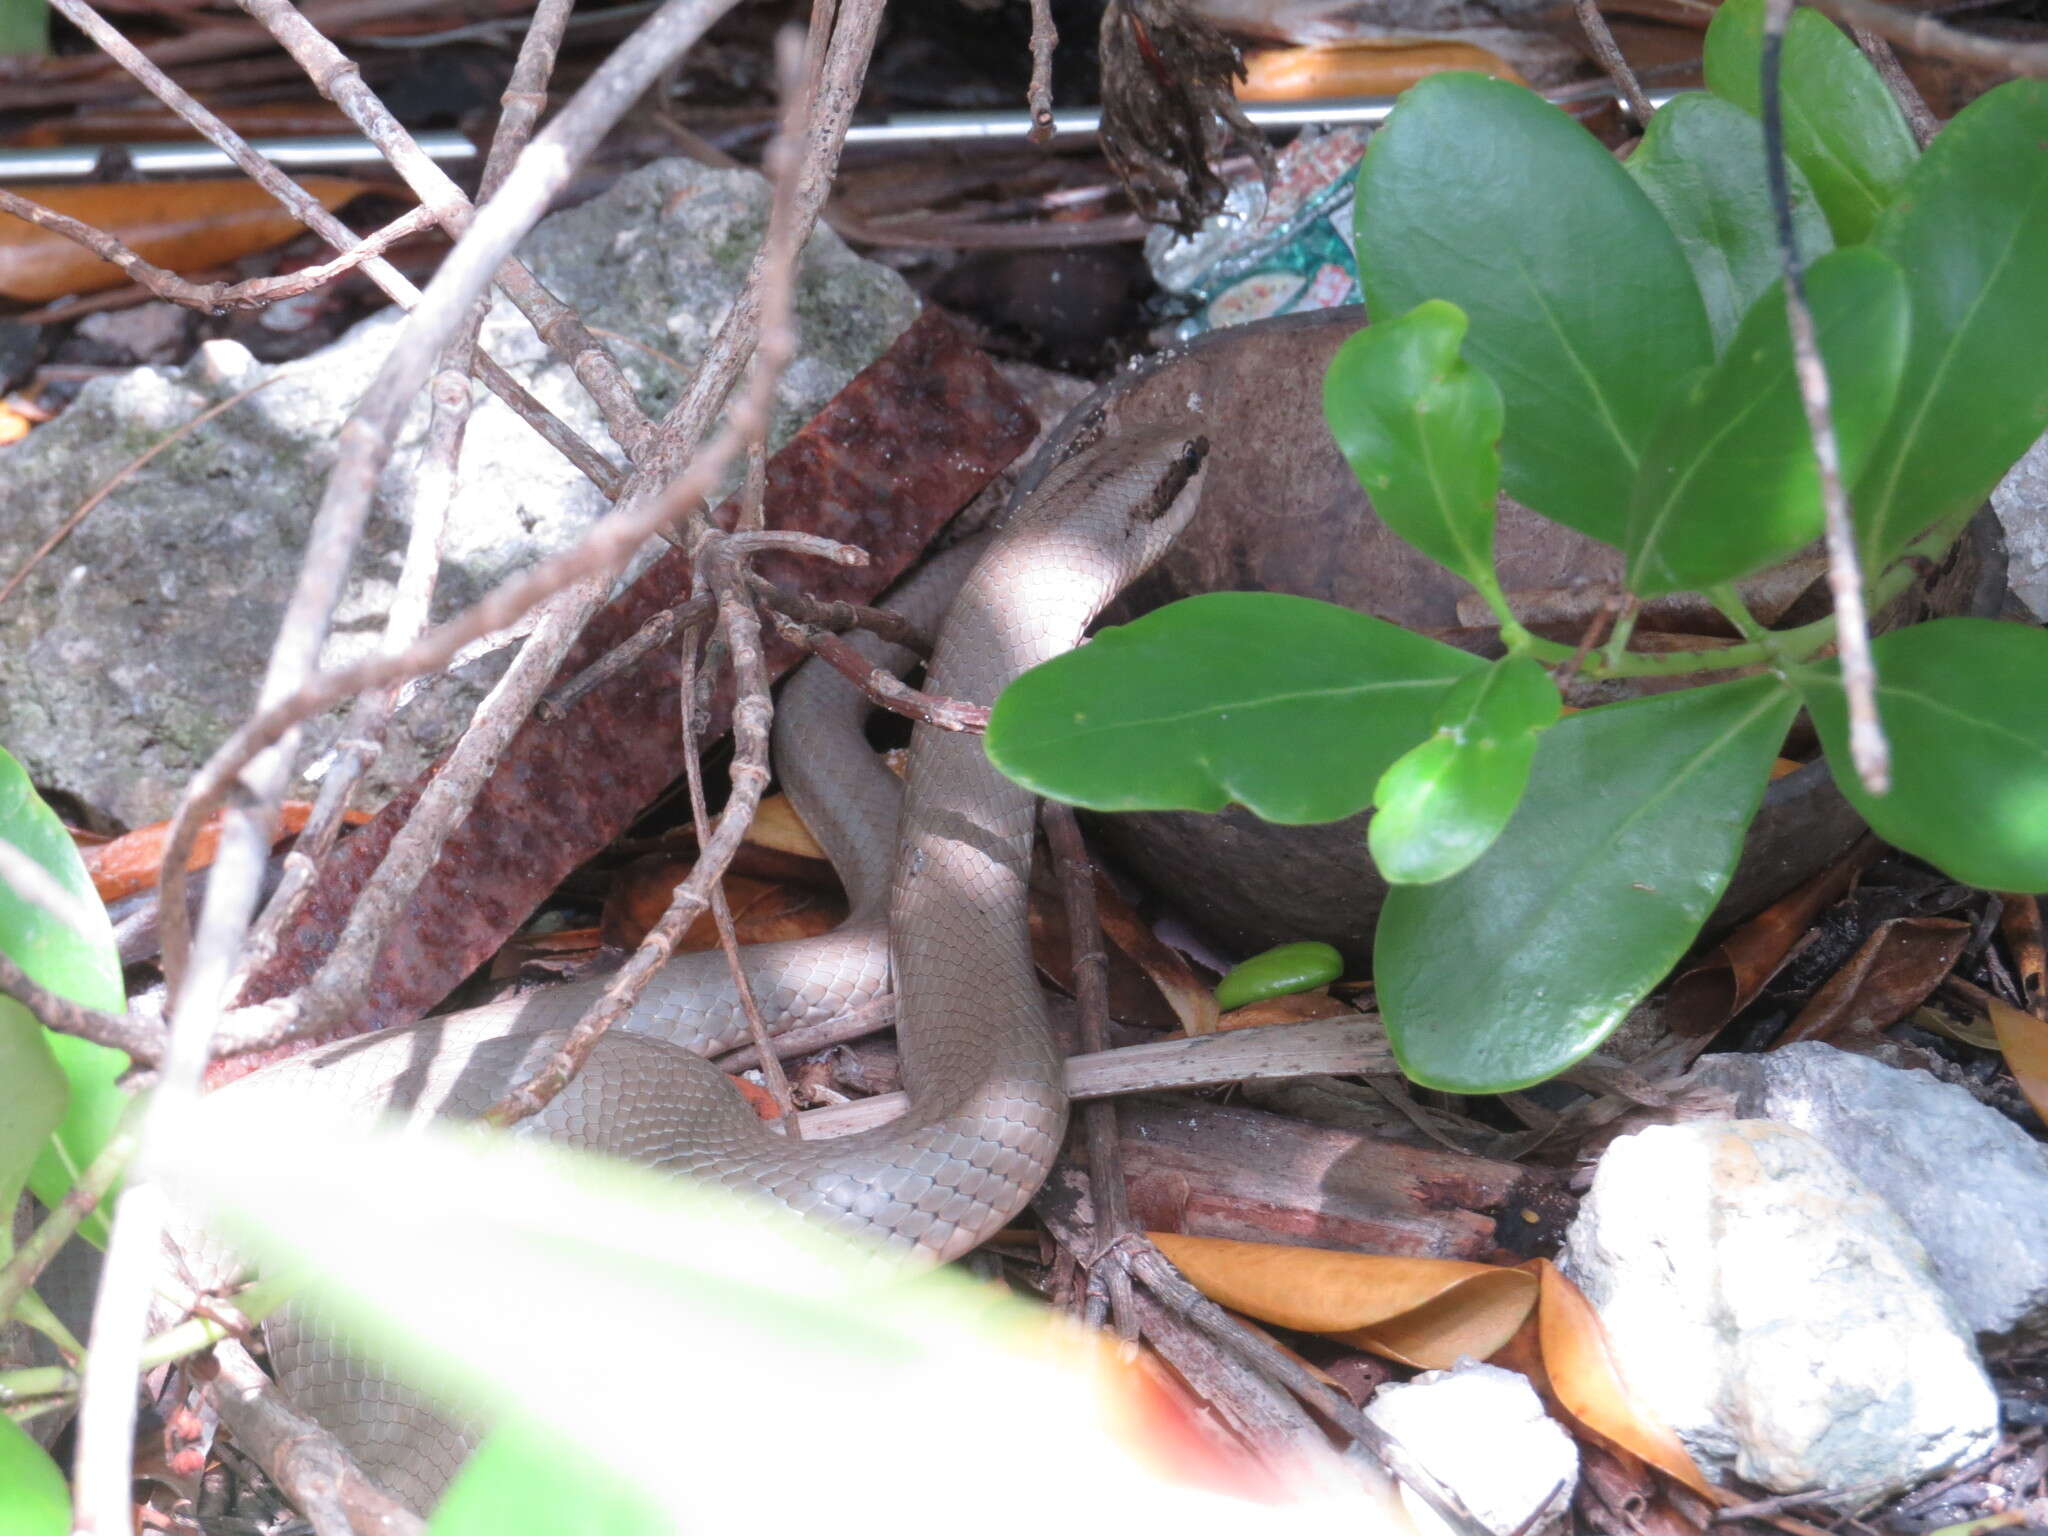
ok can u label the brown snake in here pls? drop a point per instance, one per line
(987, 1108)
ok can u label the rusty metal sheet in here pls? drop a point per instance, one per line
(905, 445)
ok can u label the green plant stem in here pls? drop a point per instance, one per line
(1624, 631)
(100, 1175)
(254, 1303)
(31, 1311)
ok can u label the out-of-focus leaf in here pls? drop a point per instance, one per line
(1483, 194)
(1422, 1312)
(182, 226)
(1288, 706)
(24, 28)
(522, 1479)
(1443, 803)
(671, 1281)
(1964, 704)
(82, 967)
(1730, 484)
(1701, 162)
(1280, 970)
(1421, 429)
(34, 1500)
(1970, 229)
(1842, 127)
(1509, 972)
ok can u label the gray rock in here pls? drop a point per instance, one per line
(1972, 1185)
(1776, 1313)
(136, 646)
(1482, 1431)
(2021, 502)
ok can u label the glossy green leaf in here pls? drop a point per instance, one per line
(1583, 309)
(1730, 483)
(524, 1479)
(697, 1314)
(33, 1498)
(80, 966)
(1508, 973)
(1842, 127)
(1964, 704)
(1278, 971)
(1702, 163)
(1421, 429)
(1442, 804)
(1971, 231)
(1285, 705)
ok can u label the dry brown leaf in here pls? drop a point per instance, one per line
(1377, 66)
(1192, 1000)
(1891, 974)
(1421, 1312)
(1288, 1008)
(2024, 1040)
(762, 910)
(178, 225)
(2019, 920)
(1583, 1380)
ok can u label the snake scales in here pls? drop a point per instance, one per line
(987, 1110)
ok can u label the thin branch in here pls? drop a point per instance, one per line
(213, 298)
(307, 1463)
(649, 637)
(338, 79)
(870, 1018)
(1867, 747)
(1608, 52)
(1920, 118)
(143, 1041)
(1091, 993)
(1918, 33)
(882, 686)
(1045, 38)
(307, 209)
(838, 617)
(59, 1225)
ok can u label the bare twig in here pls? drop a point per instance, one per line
(1045, 38)
(142, 1040)
(1920, 33)
(1608, 52)
(306, 1462)
(1091, 993)
(721, 911)
(838, 617)
(341, 82)
(882, 686)
(307, 209)
(753, 711)
(869, 1018)
(649, 637)
(1867, 747)
(60, 1224)
(1913, 106)
(214, 298)
(65, 529)
(433, 487)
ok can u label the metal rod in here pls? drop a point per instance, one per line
(82, 162)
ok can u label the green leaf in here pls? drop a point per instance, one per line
(1277, 972)
(1701, 161)
(24, 28)
(83, 967)
(1971, 231)
(1583, 308)
(1842, 127)
(1443, 803)
(1285, 705)
(523, 1479)
(1964, 704)
(1730, 483)
(33, 1498)
(1634, 815)
(1421, 428)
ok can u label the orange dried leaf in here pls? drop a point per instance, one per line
(777, 825)
(1421, 1312)
(2024, 1040)
(182, 226)
(1378, 66)
(1586, 1383)
(1290, 1008)
(1192, 1000)
(134, 861)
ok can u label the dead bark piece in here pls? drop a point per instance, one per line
(1212, 1171)
(894, 454)
(1893, 973)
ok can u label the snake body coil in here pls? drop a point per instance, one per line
(987, 1109)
